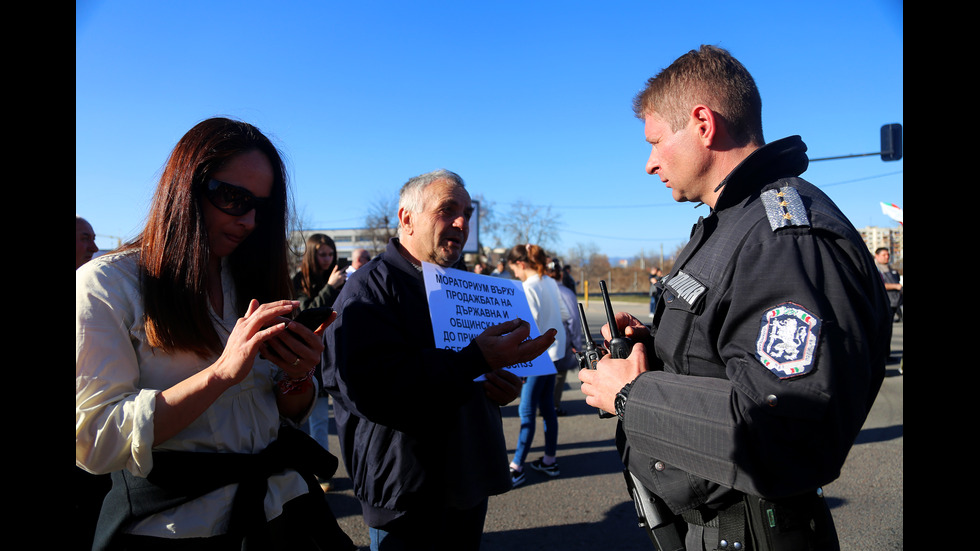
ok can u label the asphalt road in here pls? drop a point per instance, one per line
(587, 507)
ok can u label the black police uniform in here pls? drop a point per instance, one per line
(770, 344)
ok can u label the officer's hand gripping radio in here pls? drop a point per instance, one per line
(619, 346)
(652, 513)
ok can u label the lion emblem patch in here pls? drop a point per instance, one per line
(787, 341)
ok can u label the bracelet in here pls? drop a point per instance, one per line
(291, 385)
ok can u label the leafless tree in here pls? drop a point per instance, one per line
(527, 223)
(626, 276)
(588, 264)
(381, 223)
(299, 227)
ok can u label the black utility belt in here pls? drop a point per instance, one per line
(758, 524)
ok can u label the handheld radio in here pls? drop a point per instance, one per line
(619, 346)
(592, 353)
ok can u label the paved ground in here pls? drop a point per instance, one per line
(587, 508)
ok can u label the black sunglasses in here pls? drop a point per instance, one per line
(231, 199)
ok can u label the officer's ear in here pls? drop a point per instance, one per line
(706, 124)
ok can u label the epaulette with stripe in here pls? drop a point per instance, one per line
(784, 208)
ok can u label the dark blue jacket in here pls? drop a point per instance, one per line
(414, 428)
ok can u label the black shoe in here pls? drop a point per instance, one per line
(550, 470)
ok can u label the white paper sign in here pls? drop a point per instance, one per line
(463, 304)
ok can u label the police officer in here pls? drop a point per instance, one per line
(769, 343)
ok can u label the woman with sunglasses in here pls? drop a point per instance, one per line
(319, 279)
(186, 363)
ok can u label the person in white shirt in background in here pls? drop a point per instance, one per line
(528, 262)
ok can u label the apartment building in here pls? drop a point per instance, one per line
(893, 238)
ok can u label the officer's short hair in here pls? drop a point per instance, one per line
(708, 76)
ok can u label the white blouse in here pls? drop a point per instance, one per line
(548, 309)
(117, 379)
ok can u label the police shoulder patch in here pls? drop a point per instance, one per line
(784, 208)
(787, 342)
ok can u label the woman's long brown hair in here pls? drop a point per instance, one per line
(173, 246)
(312, 276)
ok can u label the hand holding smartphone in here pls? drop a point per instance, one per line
(312, 318)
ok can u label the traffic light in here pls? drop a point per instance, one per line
(891, 142)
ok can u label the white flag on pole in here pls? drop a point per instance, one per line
(892, 211)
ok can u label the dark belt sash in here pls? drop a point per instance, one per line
(179, 477)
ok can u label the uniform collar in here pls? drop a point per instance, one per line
(779, 159)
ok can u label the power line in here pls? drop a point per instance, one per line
(596, 207)
(863, 179)
(621, 238)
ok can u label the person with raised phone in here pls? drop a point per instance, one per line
(187, 363)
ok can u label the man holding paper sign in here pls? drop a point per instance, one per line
(422, 441)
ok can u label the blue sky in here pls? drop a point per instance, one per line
(527, 101)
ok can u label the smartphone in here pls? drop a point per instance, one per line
(313, 317)
(343, 263)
